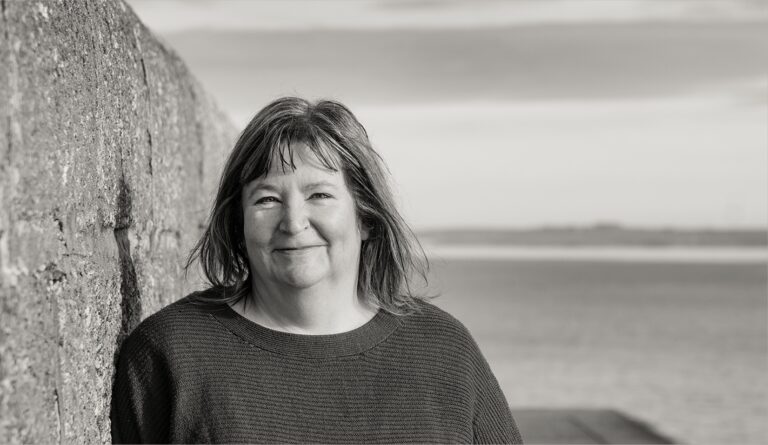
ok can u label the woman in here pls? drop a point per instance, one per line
(309, 331)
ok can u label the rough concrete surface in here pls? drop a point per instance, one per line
(108, 152)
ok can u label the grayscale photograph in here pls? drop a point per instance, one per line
(384, 221)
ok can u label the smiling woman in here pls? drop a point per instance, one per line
(310, 331)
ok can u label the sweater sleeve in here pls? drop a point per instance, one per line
(141, 394)
(493, 422)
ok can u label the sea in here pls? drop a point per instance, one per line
(675, 338)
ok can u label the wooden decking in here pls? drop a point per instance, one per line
(577, 426)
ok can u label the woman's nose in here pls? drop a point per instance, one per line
(294, 219)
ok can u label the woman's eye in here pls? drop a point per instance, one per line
(320, 196)
(266, 200)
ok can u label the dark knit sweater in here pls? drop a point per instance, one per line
(200, 373)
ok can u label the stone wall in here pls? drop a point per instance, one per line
(109, 151)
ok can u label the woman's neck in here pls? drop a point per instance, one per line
(311, 311)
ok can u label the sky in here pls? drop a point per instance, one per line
(515, 113)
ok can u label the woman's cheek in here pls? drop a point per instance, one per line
(256, 227)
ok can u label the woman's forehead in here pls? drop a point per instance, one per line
(283, 158)
(305, 170)
(291, 156)
(314, 153)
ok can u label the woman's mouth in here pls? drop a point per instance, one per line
(295, 250)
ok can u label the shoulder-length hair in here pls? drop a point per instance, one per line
(391, 256)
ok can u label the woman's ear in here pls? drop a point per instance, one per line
(365, 231)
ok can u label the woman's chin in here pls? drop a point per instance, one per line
(301, 279)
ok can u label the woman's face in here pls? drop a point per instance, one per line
(300, 226)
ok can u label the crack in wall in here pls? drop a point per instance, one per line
(55, 280)
(148, 130)
(130, 296)
(57, 369)
(57, 397)
(5, 19)
(144, 74)
(9, 136)
(13, 80)
(130, 304)
(151, 153)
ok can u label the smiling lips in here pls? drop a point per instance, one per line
(295, 250)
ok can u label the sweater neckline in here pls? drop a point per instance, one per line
(358, 340)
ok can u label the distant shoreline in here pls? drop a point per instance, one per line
(596, 236)
(634, 254)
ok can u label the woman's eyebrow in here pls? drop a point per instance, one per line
(317, 184)
(251, 189)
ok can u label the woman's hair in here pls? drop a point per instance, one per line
(391, 256)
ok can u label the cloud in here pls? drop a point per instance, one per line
(271, 15)
(648, 113)
(696, 160)
(551, 62)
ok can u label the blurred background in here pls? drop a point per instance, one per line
(588, 177)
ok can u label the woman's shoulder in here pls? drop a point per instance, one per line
(431, 321)
(426, 312)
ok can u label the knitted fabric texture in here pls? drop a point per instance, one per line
(195, 373)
